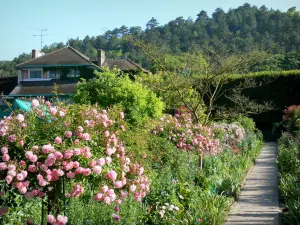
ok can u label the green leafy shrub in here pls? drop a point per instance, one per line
(291, 119)
(109, 88)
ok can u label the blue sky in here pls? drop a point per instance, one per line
(66, 19)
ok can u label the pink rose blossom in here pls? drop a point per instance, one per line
(106, 133)
(97, 169)
(3, 166)
(85, 137)
(108, 160)
(76, 141)
(87, 155)
(53, 111)
(80, 129)
(70, 175)
(35, 103)
(68, 154)
(132, 188)
(76, 164)
(110, 151)
(20, 177)
(104, 189)
(8, 179)
(31, 168)
(122, 115)
(68, 134)
(22, 190)
(11, 167)
(12, 138)
(51, 219)
(123, 194)
(5, 157)
(98, 197)
(20, 118)
(86, 172)
(118, 184)
(112, 175)
(4, 150)
(58, 140)
(101, 162)
(42, 183)
(58, 155)
(107, 200)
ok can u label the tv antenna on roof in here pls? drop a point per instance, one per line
(41, 35)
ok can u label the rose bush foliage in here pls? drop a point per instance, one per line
(50, 146)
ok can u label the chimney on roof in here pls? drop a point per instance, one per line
(35, 53)
(101, 57)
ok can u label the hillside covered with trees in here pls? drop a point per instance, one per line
(243, 29)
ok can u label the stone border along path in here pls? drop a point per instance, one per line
(259, 199)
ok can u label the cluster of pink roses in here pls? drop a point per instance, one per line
(188, 136)
(59, 220)
(76, 154)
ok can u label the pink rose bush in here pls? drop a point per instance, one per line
(189, 136)
(78, 145)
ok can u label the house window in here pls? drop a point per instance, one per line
(74, 73)
(54, 74)
(24, 74)
(35, 74)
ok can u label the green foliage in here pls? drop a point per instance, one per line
(161, 84)
(289, 173)
(111, 89)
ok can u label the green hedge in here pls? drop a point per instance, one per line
(280, 87)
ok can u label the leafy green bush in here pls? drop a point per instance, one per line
(289, 173)
(109, 88)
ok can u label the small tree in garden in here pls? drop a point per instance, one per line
(188, 136)
(208, 74)
(59, 152)
(112, 88)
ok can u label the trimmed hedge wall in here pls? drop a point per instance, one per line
(283, 90)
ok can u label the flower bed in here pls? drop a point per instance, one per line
(195, 171)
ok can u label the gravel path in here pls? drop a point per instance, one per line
(258, 202)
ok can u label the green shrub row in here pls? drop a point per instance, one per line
(289, 173)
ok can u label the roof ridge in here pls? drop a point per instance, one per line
(137, 65)
(20, 64)
(83, 56)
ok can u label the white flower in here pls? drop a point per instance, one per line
(166, 203)
(181, 197)
(176, 208)
(162, 212)
(163, 207)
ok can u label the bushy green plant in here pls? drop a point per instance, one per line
(291, 119)
(110, 88)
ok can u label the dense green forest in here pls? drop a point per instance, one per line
(243, 29)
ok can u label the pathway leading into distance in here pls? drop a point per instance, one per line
(259, 199)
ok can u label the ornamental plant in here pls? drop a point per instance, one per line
(111, 87)
(57, 152)
(188, 136)
(291, 119)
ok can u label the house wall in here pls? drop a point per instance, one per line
(19, 76)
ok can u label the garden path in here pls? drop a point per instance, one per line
(259, 199)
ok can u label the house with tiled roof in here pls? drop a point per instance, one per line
(63, 67)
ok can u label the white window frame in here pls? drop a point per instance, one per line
(50, 78)
(37, 79)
